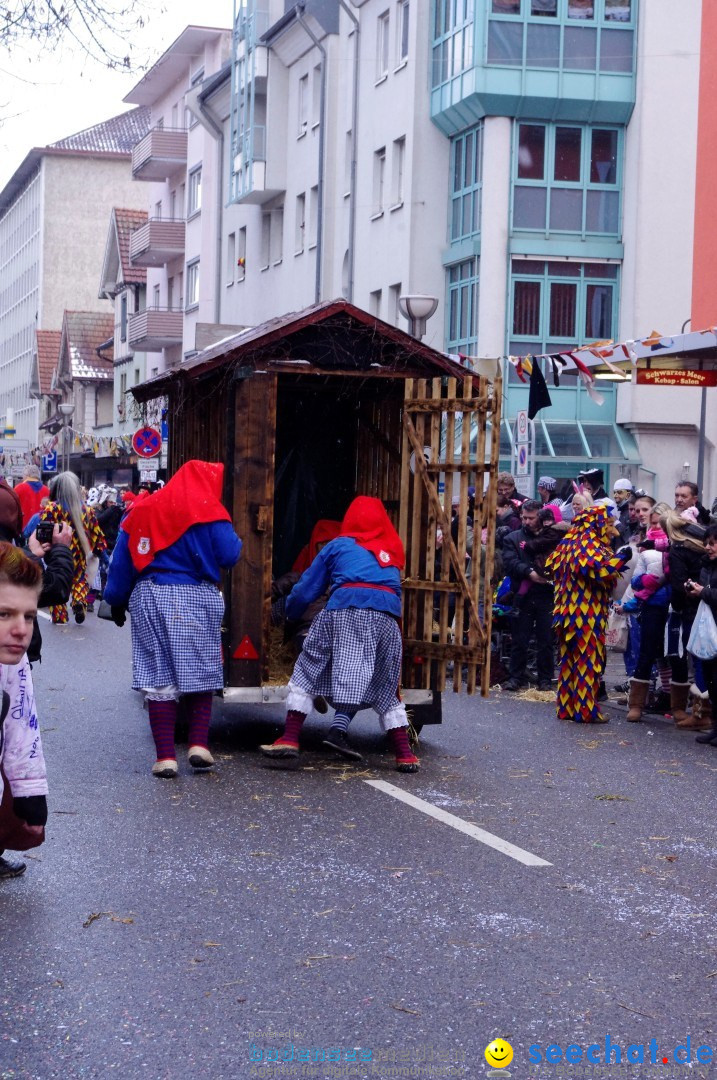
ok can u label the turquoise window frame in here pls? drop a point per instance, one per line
(453, 23)
(599, 22)
(466, 194)
(542, 342)
(462, 298)
(549, 184)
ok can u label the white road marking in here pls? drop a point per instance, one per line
(44, 615)
(496, 842)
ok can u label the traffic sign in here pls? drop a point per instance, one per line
(147, 442)
(522, 428)
(49, 461)
(147, 476)
(522, 463)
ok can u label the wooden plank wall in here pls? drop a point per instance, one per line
(437, 568)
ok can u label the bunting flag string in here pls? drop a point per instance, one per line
(99, 446)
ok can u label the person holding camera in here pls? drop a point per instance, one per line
(706, 589)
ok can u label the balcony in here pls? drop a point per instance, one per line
(157, 242)
(155, 328)
(159, 154)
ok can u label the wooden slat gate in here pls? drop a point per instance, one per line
(450, 430)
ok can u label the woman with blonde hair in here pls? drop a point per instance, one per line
(687, 552)
(66, 507)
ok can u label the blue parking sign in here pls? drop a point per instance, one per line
(49, 462)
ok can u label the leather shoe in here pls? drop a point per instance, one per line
(338, 740)
(10, 867)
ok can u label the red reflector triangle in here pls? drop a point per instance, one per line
(245, 650)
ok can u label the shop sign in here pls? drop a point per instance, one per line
(676, 377)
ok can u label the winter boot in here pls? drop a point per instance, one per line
(637, 698)
(679, 693)
(702, 712)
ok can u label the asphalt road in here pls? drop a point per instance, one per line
(172, 929)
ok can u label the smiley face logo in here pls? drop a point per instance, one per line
(499, 1053)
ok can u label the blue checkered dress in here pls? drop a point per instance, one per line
(352, 656)
(176, 639)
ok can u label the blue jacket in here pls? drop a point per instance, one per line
(199, 555)
(340, 562)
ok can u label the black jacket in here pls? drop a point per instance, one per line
(58, 573)
(685, 565)
(109, 521)
(708, 578)
(518, 563)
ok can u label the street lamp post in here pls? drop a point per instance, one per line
(66, 410)
(418, 310)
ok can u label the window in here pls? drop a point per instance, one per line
(192, 284)
(123, 388)
(299, 223)
(276, 240)
(466, 177)
(123, 317)
(173, 205)
(379, 179)
(382, 46)
(313, 216)
(402, 31)
(195, 191)
(316, 97)
(463, 306)
(453, 33)
(136, 376)
(156, 297)
(374, 303)
(568, 33)
(241, 255)
(397, 171)
(567, 179)
(559, 305)
(158, 210)
(265, 240)
(394, 311)
(303, 118)
(231, 258)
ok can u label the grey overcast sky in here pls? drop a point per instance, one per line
(48, 94)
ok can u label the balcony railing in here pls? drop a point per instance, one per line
(155, 328)
(157, 242)
(159, 154)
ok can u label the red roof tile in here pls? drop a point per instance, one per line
(126, 221)
(82, 333)
(116, 135)
(48, 351)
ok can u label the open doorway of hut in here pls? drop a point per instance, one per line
(336, 437)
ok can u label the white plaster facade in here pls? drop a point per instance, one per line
(51, 244)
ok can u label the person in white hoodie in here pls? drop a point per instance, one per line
(23, 779)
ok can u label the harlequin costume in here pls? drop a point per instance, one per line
(57, 514)
(166, 568)
(584, 570)
(353, 652)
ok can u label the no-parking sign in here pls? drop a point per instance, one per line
(147, 442)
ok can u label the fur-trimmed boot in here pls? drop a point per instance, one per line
(636, 700)
(702, 712)
(679, 693)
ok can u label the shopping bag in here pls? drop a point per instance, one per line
(703, 636)
(616, 633)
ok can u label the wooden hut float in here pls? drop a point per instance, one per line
(309, 410)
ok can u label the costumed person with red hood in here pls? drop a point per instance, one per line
(31, 492)
(166, 569)
(353, 652)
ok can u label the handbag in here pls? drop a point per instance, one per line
(104, 611)
(617, 631)
(703, 636)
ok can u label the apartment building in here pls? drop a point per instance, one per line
(53, 224)
(180, 171)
